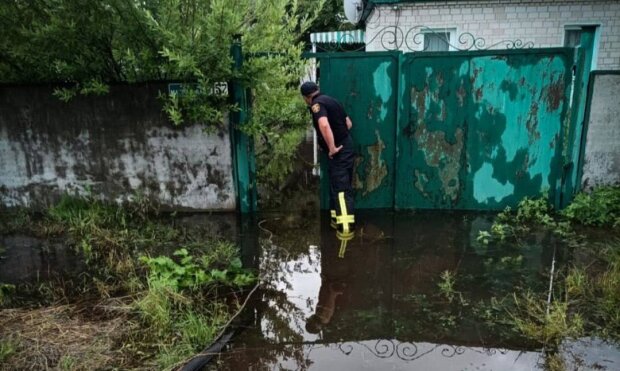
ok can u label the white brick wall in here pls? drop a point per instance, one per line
(541, 22)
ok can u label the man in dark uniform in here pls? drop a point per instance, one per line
(332, 125)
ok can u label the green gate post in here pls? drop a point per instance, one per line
(244, 161)
(575, 144)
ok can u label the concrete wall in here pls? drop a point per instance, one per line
(602, 153)
(541, 22)
(116, 145)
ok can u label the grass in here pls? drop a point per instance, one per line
(545, 324)
(554, 362)
(171, 305)
(193, 331)
(594, 289)
(67, 363)
(8, 347)
(586, 297)
(586, 302)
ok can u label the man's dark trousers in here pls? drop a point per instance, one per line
(341, 198)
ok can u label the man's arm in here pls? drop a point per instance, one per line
(328, 136)
(349, 123)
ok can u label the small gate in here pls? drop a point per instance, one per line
(455, 130)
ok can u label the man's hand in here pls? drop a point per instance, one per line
(334, 150)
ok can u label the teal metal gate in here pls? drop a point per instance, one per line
(456, 130)
(366, 84)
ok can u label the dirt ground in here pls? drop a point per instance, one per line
(63, 337)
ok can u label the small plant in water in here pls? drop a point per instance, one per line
(500, 231)
(484, 237)
(546, 323)
(446, 285)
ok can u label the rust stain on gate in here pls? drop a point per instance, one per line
(456, 130)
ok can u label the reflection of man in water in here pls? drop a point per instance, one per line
(335, 271)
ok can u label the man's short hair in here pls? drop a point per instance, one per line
(308, 88)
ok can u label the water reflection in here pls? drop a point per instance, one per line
(375, 297)
(335, 277)
(31, 259)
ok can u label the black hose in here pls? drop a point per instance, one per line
(200, 361)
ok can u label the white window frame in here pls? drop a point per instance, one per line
(450, 30)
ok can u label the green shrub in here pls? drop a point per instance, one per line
(601, 207)
(534, 211)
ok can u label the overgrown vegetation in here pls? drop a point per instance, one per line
(85, 46)
(599, 208)
(585, 299)
(179, 307)
(172, 304)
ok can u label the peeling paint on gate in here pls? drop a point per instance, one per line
(373, 110)
(376, 170)
(458, 130)
(383, 87)
(526, 119)
(432, 144)
(482, 129)
(443, 156)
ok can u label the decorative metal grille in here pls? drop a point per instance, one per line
(412, 40)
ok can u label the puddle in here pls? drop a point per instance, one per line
(25, 259)
(380, 300)
(375, 302)
(590, 354)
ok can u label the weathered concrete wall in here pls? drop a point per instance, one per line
(116, 145)
(602, 153)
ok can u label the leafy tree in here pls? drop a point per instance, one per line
(87, 44)
(330, 18)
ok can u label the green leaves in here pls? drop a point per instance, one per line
(191, 273)
(88, 44)
(601, 207)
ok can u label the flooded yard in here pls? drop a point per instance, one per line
(407, 291)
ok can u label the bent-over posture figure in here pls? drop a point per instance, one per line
(332, 125)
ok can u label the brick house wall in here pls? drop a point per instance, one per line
(543, 23)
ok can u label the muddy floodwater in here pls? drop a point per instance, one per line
(407, 291)
(382, 300)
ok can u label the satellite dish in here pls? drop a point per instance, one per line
(353, 10)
